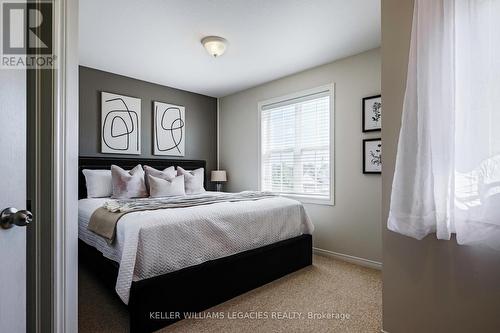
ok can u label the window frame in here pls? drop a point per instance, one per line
(304, 198)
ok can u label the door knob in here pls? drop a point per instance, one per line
(11, 216)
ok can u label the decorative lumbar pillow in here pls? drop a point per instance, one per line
(167, 174)
(159, 187)
(128, 184)
(193, 180)
(98, 183)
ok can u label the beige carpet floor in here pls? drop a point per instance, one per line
(330, 296)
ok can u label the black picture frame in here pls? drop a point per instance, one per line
(363, 115)
(365, 171)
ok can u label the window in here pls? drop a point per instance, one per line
(295, 150)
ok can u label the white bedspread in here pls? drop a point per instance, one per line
(151, 243)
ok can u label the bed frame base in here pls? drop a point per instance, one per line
(160, 301)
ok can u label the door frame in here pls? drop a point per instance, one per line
(52, 243)
(66, 161)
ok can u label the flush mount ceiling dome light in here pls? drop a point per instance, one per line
(215, 46)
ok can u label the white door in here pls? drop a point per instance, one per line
(12, 194)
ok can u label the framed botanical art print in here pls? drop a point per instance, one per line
(372, 113)
(372, 156)
(169, 129)
(120, 124)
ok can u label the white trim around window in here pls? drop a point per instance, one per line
(325, 90)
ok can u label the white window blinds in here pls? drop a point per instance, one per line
(295, 146)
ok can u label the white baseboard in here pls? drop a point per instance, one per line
(352, 259)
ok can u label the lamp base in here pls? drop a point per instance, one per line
(218, 187)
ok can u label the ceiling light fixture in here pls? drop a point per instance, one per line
(215, 46)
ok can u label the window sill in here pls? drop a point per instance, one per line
(309, 200)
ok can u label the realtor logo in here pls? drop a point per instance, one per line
(26, 35)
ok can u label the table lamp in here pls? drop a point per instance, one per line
(218, 177)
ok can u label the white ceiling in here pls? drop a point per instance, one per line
(159, 40)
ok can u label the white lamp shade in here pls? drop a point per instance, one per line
(215, 46)
(218, 176)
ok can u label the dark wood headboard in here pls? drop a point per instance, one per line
(129, 163)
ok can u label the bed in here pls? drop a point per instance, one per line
(173, 261)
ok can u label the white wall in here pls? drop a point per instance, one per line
(353, 225)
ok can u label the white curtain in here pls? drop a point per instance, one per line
(447, 177)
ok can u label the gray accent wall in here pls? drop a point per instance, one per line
(201, 115)
(431, 285)
(352, 227)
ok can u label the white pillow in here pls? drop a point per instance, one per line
(166, 174)
(193, 180)
(159, 187)
(128, 184)
(98, 183)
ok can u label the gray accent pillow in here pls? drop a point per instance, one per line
(98, 183)
(193, 180)
(128, 184)
(159, 187)
(167, 174)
